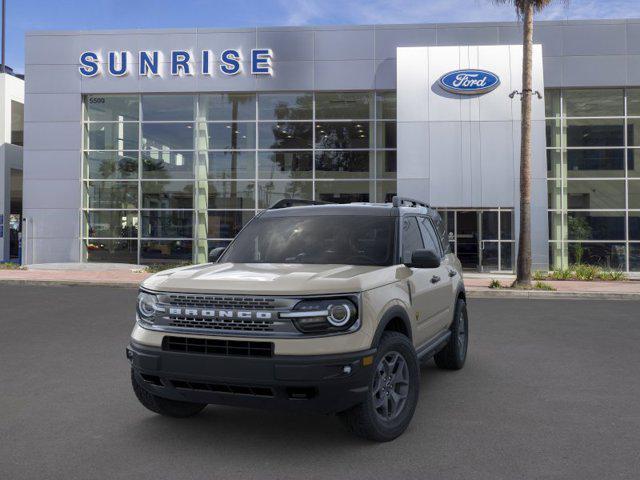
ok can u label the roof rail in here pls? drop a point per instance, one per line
(295, 202)
(402, 201)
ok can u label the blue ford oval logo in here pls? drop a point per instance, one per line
(469, 82)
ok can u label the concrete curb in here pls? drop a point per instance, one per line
(546, 295)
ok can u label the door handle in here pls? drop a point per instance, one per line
(452, 273)
(435, 279)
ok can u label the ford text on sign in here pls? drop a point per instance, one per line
(469, 82)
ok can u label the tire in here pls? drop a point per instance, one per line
(454, 354)
(164, 406)
(368, 420)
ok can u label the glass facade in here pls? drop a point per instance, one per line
(166, 177)
(593, 177)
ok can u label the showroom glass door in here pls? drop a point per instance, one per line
(482, 239)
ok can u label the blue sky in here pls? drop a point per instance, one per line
(24, 15)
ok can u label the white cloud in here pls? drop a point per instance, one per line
(303, 12)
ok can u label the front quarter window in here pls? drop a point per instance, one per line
(316, 239)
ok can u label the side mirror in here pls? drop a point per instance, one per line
(424, 259)
(215, 254)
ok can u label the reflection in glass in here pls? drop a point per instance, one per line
(347, 105)
(227, 106)
(230, 164)
(167, 136)
(557, 229)
(611, 256)
(168, 107)
(386, 135)
(633, 102)
(111, 108)
(122, 195)
(386, 105)
(506, 254)
(595, 194)
(344, 192)
(170, 194)
(273, 191)
(490, 255)
(167, 224)
(554, 164)
(386, 190)
(109, 224)
(633, 162)
(387, 164)
(595, 163)
(228, 136)
(111, 136)
(596, 225)
(285, 135)
(112, 251)
(555, 200)
(342, 135)
(285, 106)
(634, 194)
(226, 224)
(232, 195)
(274, 165)
(343, 164)
(595, 133)
(490, 225)
(634, 225)
(167, 164)
(554, 133)
(506, 225)
(111, 165)
(600, 102)
(166, 251)
(552, 102)
(634, 257)
(633, 132)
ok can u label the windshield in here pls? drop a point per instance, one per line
(330, 239)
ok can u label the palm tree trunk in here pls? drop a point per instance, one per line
(524, 247)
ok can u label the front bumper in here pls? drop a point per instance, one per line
(318, 383)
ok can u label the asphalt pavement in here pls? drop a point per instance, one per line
(551, 389)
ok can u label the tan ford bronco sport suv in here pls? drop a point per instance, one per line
(317, 307)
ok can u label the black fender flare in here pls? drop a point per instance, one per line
(394, 312)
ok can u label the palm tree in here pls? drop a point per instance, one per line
(525, 10)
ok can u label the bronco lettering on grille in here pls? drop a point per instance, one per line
(212, 313)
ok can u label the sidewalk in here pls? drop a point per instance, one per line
(477, 285)
(76, 274)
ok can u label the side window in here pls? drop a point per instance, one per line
(431, 241)
(441, 231)
(411, 238)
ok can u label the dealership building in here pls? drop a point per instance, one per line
(148, 146)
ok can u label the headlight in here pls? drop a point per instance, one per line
(323, 315)
(147, 306)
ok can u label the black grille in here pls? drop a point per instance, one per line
(224, 388)
(221, 324)
(220, 301)
(205, 346)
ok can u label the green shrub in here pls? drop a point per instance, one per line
(612, 276)
(543, 286)
(9, 266)
(159, 267)
(495, 284)
(540, 275)
(562, 274)
(587, 272)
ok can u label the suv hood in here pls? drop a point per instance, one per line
(271, 279)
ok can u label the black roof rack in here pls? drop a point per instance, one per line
(406, 201)
(295, 202)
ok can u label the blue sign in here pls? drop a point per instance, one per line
(469, 82)
(181, 62)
